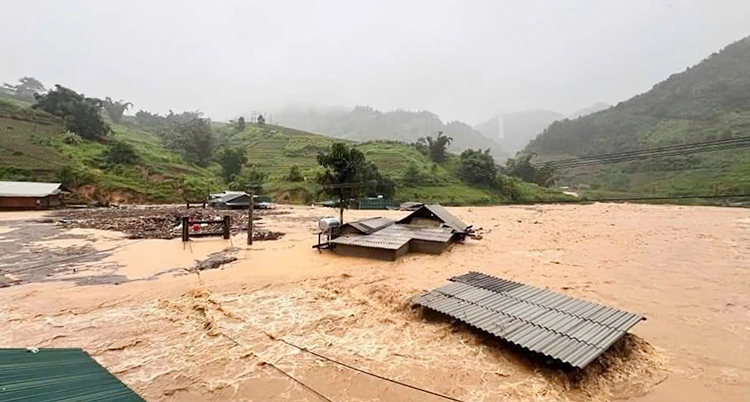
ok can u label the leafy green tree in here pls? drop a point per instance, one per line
(81, 115)
(232, 160)
(348, 175)
(27, 88)
(115, 109)
(261, 120)
(294, 174)
(194, 138)
(477, 167)
(251, 180)
(241, 124)
(522, 168)
(121, 153)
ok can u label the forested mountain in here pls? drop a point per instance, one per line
(707, 101)
(514, 130)
(364, 123)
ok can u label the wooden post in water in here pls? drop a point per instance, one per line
(185, 228)
(225, 225)
(250, 220)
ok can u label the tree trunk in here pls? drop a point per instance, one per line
(341, 214)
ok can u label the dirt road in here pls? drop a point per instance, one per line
(214, 335)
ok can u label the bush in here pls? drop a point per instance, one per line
(121, 153)
(294, 174)
(71, 138)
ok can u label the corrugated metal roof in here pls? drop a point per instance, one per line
(374, 240)
(441, 213)
(437, 234)
(571, 330)
(28, 189)
(58, 375)
(371, 225)
(394, 236)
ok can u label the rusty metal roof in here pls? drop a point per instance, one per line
(571, 330)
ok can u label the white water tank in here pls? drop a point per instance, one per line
(329, 223)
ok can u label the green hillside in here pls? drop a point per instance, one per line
(35, 146)
(708, 101)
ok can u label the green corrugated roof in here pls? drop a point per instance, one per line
(69, 375)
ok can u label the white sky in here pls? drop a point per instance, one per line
(464, 60)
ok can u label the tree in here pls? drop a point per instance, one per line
(477, 167)
(194, 138)
(232, 160)
(241, 124)
(435, 147)
(121, 153)
(412, 176)
(252, 180)
(261, 120)
(522, 168)
(27, 88)
(115, 109)
(294, 174)
(81, 115)
(348, 175)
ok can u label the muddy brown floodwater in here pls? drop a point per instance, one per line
(175, 333)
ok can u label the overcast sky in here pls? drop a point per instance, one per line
(464, 60)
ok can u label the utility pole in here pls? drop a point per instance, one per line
(250, 220)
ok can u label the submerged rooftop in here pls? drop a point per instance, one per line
(571, 330)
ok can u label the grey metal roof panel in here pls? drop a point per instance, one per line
(436, 234)
(441, 213)
(447, 217)
(371, 225)
(58, 375)
(573, 331)
(371, 241)
(28, 189)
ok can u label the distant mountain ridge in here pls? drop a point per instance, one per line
(363, 123)
(514, 130)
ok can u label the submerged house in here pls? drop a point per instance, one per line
(430, 229)
(30, 195)
(239, 200)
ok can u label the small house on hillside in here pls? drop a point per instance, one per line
(30, 195)
(239, 200)
(430, 229)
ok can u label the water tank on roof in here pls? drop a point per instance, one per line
(328, 224)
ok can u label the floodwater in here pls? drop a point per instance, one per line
(224, 334)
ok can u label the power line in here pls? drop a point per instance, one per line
(675, 150)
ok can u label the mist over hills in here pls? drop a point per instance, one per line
(514, 130)
(363, 123)
(596, 107)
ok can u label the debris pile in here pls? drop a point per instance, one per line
(160, 222)
(215, 260)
